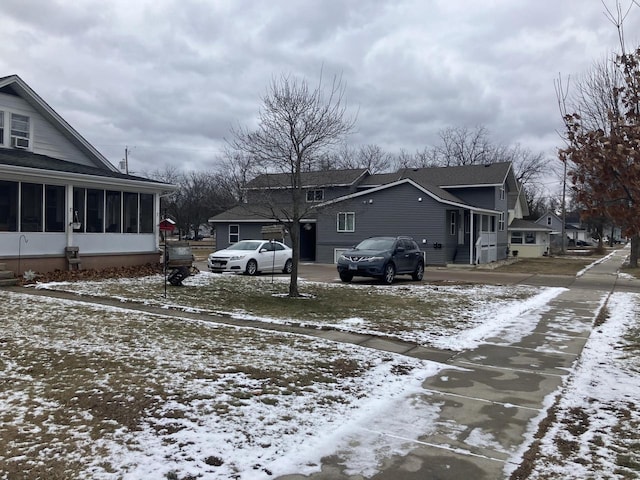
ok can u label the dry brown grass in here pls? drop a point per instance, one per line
(559, 265)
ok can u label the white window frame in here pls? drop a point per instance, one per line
(346, 216)
(501, 222)
(519, 236)
(315, 195)
(21, 133)
(237, 233)
(2, 127)
(452, 224)
(502, 192)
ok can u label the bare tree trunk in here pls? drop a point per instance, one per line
(294, 232)
(635, 251)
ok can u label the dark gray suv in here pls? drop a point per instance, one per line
(382, 257)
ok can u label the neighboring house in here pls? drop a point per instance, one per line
(529, 239)
(59, 197)
(456, 214)
(574, 231)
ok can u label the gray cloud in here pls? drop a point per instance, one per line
(169, 78)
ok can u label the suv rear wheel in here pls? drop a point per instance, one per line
(389, 273)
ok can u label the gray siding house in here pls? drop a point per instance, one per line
(456, 214)
(62, 203)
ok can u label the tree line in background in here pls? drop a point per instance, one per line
(203, 194)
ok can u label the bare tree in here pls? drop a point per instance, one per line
(602, 152)
(464, 146)
(297, 126)
(199, 196)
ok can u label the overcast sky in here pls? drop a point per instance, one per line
(169, 78)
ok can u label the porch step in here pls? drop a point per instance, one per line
(8, 282)
(7, 277)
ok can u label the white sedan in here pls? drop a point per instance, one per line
(252, 257)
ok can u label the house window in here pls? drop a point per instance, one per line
(485, 223)
(315, 195)
(95, 210)
(20, 129)
(346, 222)
(31, 207)
(54, 201)
(1, 127)
(452, 223)
(501, 222)
(113, 214)
(502, 192)
(530, 238)
(130, 212)
(492, 224)
(516, 237)
(146, 213)
(8, 206)
(549, 220)
(234, 234)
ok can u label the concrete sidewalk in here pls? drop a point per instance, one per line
(492, 398)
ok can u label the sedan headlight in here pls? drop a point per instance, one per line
(236, 257)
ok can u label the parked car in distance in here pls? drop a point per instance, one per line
(383, 258)
(252, 257)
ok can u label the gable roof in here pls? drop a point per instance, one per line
(13, 84)
(492, 174)
(434, 192)
(324, 178)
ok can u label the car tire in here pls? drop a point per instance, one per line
(288, 267)
(346, 277)
(251, 268)
(389, 273)
(418, 273)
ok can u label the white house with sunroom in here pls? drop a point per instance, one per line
(62, 204)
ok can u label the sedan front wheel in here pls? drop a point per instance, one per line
(251, 268)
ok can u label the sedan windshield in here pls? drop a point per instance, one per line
(245, 245)
(376, 244)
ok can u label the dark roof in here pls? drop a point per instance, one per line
(464, 175)
(253, 212)
(23, 158)
(519, 224)
(380, 179)
(325, 178)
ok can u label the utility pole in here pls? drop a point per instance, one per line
(564, 208)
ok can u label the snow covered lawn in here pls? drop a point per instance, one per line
(109, 393)
(429, 315)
